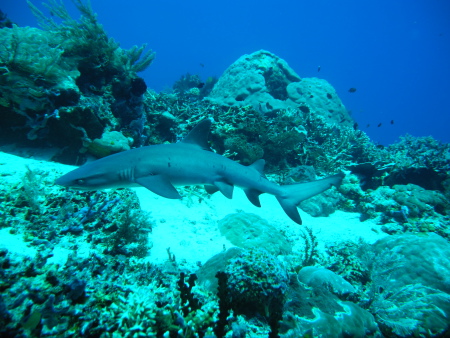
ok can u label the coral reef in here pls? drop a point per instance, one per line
(35, 74)
(397, 286)
(409, 289)
(256, 282)
(113, 219)
(400, 208)
(192, 88)
(318, 277)
(68, 83)
(85, 271)
(319, 308)
(267, 83)
(94, 297)
(110, 143)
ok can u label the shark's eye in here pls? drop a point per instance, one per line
(80, 182)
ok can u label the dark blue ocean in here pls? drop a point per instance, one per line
(395, 53)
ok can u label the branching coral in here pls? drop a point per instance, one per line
(330, 148)
(34, 71)
(55, 69)
(32, 51)
(420, 152)
(87, 41)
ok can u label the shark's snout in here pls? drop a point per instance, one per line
(62, 181)
(71, 180)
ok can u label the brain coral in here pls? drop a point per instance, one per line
(426, 259)
(420, 201)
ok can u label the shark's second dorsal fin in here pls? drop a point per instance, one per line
(199, 135)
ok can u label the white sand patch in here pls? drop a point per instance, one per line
(15, 245)
(13, 168)
(66, 246)
(192, 232)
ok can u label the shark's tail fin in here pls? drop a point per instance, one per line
(293, 194)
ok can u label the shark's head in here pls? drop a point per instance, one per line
(88, 177)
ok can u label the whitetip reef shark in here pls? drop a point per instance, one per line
(190, 162)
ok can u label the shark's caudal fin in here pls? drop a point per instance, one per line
(294, 194)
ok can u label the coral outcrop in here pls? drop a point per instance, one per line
(68, 83)
(410, 290)
(249, 231)
(265, 82)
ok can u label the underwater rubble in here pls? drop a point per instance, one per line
(82, 267)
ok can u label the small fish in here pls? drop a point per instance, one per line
(368, 125)
(352, 90)
(200, 85)
(392, 121)
(379, 125)
(355, 126)
(318, 69)
(202, 65)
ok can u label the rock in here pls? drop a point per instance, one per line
(321, 96)
(267, 83)
(207, 273)
(111, 142)
(322, 205)
(314, 276)
(259, 79)
(421, 202)
(422, 259)
(248, 231)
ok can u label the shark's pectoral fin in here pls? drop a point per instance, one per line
(211, 189)
(253, 196)
(160, 185)
(225, 188)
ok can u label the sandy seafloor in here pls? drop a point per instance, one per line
(189, 227)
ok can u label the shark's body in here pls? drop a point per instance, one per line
(161, 167)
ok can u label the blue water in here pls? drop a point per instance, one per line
(395, 53)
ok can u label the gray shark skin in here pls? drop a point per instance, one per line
(161, 167)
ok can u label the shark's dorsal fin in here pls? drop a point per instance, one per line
(199, 135)
(259, 165)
